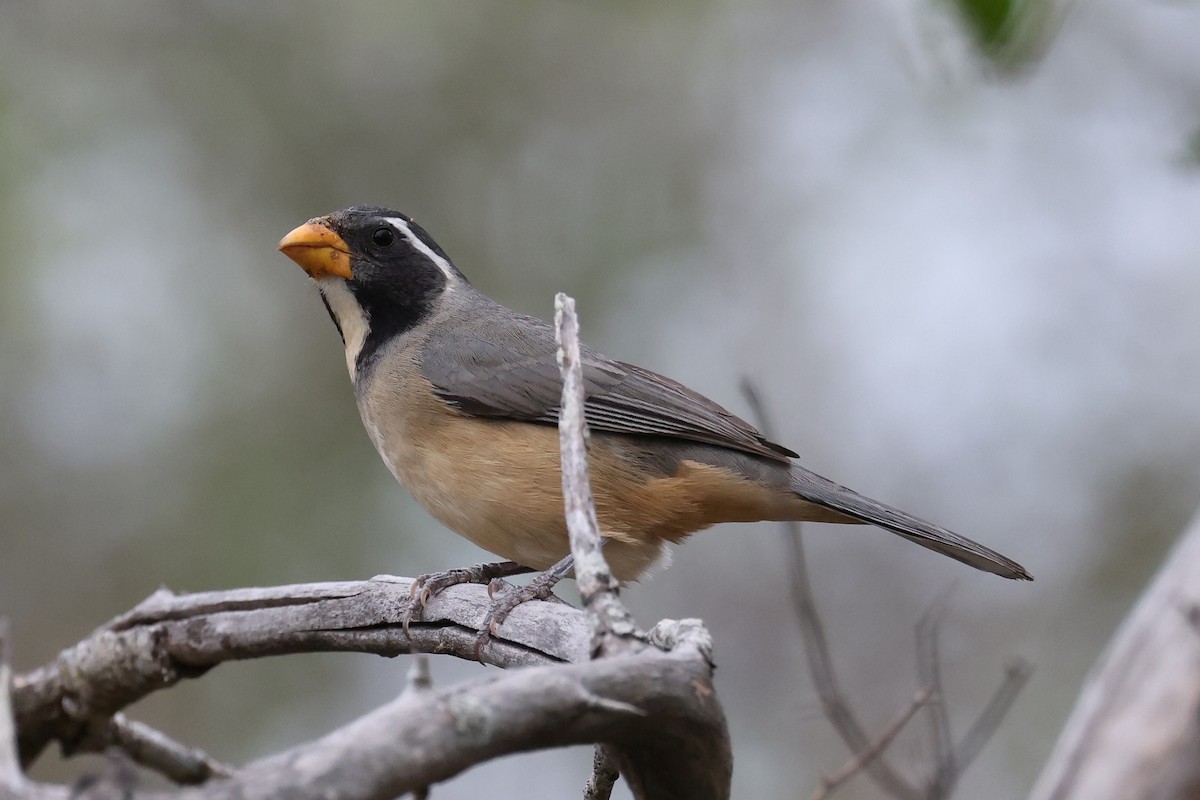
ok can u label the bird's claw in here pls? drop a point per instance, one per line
(429, 585)
(540, 588)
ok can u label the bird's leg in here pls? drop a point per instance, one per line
(428, 585)
(540, 588)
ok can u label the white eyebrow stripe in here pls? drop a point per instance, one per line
(423, 248)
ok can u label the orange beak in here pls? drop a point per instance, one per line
(318, 249)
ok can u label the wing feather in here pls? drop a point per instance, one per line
(505, 367)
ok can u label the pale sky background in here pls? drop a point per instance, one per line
(968, 288)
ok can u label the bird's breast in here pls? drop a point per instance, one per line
(493, 482)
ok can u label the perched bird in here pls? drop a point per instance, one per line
(460, 396)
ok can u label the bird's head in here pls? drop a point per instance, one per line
(379, 273)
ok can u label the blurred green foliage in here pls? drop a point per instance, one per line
(1011, 33)
(992, 21)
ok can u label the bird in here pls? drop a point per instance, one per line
(460, 396)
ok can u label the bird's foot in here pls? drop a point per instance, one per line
(425, 587)
(540, 588)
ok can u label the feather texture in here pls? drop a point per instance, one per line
(508, 370)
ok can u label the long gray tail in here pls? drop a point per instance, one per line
(824, 492)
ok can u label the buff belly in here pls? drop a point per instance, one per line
(498, 483)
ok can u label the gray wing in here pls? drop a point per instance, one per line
(503, 365)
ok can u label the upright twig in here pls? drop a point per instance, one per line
(700, 763)
(592, 574)
(614, 626)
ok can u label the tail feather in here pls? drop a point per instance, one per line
(824, 492)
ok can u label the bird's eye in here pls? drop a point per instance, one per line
(383, 237)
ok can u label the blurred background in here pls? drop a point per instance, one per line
(956, 244)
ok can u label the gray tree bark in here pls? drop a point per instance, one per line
(1135, 730)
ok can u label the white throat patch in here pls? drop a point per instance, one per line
(423, 248)
(350, 318)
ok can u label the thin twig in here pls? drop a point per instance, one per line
(1015, 677)
(830, 783)
(950, 760)
(604, 776)
(420, 682)
(613, 626)
(834, 700)
(155, 750)
(929, 673)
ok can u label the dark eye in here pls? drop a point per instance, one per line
(383, 237)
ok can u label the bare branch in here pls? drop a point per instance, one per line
(949, 761)
(929, 673)
(650, 770)
(977, 736)
(427, 738)
(657, 707)
(168, 638)
(604, 776)
(834, 700)
(831, 783)
(614, 626)
(1135, 731)
(157, 751)
(420, 681)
